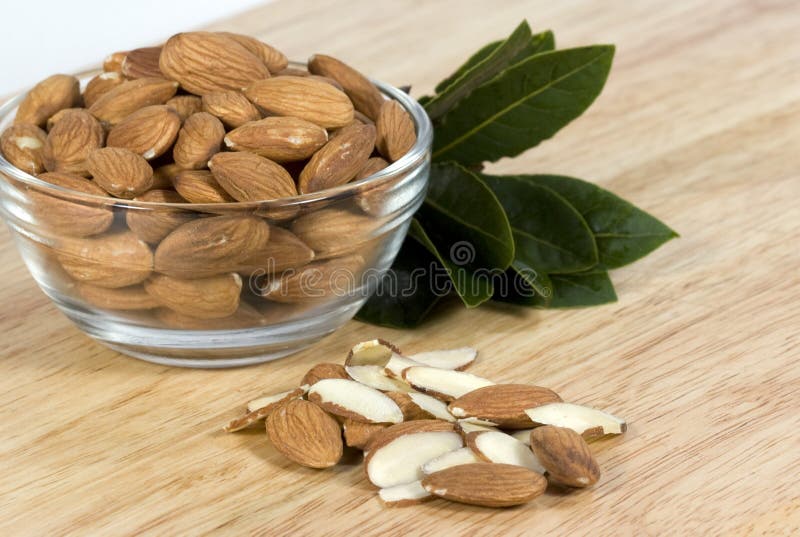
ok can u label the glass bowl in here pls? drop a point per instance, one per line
(242, 283)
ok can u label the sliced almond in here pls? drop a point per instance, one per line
(149, 132)
(199, 139)
(494, 446)
(305, 434)
(372, 352)
(484, 484)
(418, 406)
(584, 420)
(397, 364)
(351, 399)
(503, 404)
(457, 359)
(523, 435)
(266, 400)
(566, 456)
(265, 406)
(324, 371)
(456, 457)
(407, 427)
(374, 377)
(404, 495)
(357, 434)
(442, 383)
(400, 461)
(470, 425)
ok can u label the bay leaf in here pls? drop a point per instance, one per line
(590, 288)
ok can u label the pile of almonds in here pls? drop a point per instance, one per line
(207, 118)
(430, 430)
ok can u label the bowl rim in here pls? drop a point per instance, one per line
(407, 162)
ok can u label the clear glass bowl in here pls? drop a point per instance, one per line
(285, 302)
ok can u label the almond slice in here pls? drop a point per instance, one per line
(372, 352)
(397, 364)
(566, 456)
(263, 407)
(523, 435)
(418, 406)
(400, 460)
(488, 485)
(470, 425)
(456, 457)
(324, 371)
(494, 446)
(447, 359)
(305, 434)
(503, 404)
(374, 377)
(351, 399)
(442, 383)
(358, 434)
(403, 495)
(584, 420)
(265, 400)
(407, 427)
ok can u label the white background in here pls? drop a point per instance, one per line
(39, 38)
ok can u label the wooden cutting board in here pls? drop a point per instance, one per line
(699, 124)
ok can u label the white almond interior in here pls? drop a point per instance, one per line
(374, 377)
(397, 364)
(400, 461)
(266, 400)
(504, 448)
(358, 398)
(450, 383)
(432, 405)
(523, 435)
(372, 352)
(456, 457)
(402, 493)
(469, 425)
(579, 418)
(447, 359)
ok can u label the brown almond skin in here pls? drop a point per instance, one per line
(142, 63)
(371, 167)
(73, 218)
(565, 455)
(411, 411)
(55, 118)
(71, 140)
(214, 297)
(395, 131)
(260, 414)
(365, 96)
(199, 186)
(249, 177)
(205, 62)
(113, 62)
(230, 107)
(23, 146)
(504, 404)
(113, 260)
(305, 434)
(332, 231)
(273, 58)
(282, 139)
(315, 282)
(209, 246)
(123, 298)
(164, 175)
(99, 86)
(339, 160)
(199, 139)
(186, 105)
(120, 172)
(245, 317)
(323, 371)
(485, 484)
(358, 434)
(125, 99)
(52, 94)
(283, 251)
(302, 97)
(149, 132)
(153, 225)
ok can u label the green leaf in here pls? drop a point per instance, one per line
(590, 288)
(527, 103)
(473, 60)
(623, 232)
(549, 233)
(525, 286)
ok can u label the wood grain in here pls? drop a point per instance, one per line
(699, 124)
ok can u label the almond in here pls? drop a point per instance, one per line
(142, 63)
(152, 225)
(350, 399)
(584, 420)
(487, 485)
(565, 455)
(419, 406)
(280, 139)
(456, 457)
(273, 399)
(267, 406)
(205, 62)
(374, 377)
(164, 176)
(204, 298)
(114, 260)
(339, 160)
(244, 317)
(471, 425)
(199, 186)
(149, 132)
(503, 404)
(305, 434)
(249, 177)
(113, 62)
(23, 146)
(332, 231)
(293, 71)
(52, 94)
(302, 97)
(125, 99)
(324, 371)
(404, 495)
(371, 352)
(499, 447)
(55, 118)
(283, 251)
(327, 80)
(186, 105)
(456, 359)
(357, 434)
(199, 139)
(397, 430)
(317, 282)
(400, 460)
(99, 86)
(273, 58)
(371, 167)
(395, 131)
(123, 298)
(120, 172)
(365, 96)
(231, 107)
(442, 383)
(70, 142)
(209, 246)
(69, 215)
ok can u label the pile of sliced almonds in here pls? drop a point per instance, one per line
(430, 430)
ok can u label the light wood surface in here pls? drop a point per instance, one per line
(699, 124)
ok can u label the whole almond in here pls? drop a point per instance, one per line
(209, 246)
(503, 404)
(316, 282)
(113, 62)
(114, 260)
(324, 371)
(99, 86)
(142, 63)
(149, 132)
(262, 412)
(23, 146)
(339, 160)
(293, 71)
(283, 251)
(248, 177)
(244, 317)
(333, 231)
(395, 129)
(204, 298)
(305, 434)
(231, 107)
(199, 186)
(199, 139)
(205, 62)
(186, 105)
(327, 80)
(302, 97)
(70, 142)
(565, 455)
(281, 139)
(52, 94)
(152, 225)
(69, 215)
(120, 172)
(55, 118)
(164, 176)
(485, 484)
(125, 99)
(358, 434)
(365, 96)
(371, 167)
(273, 58)
(122, 298)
